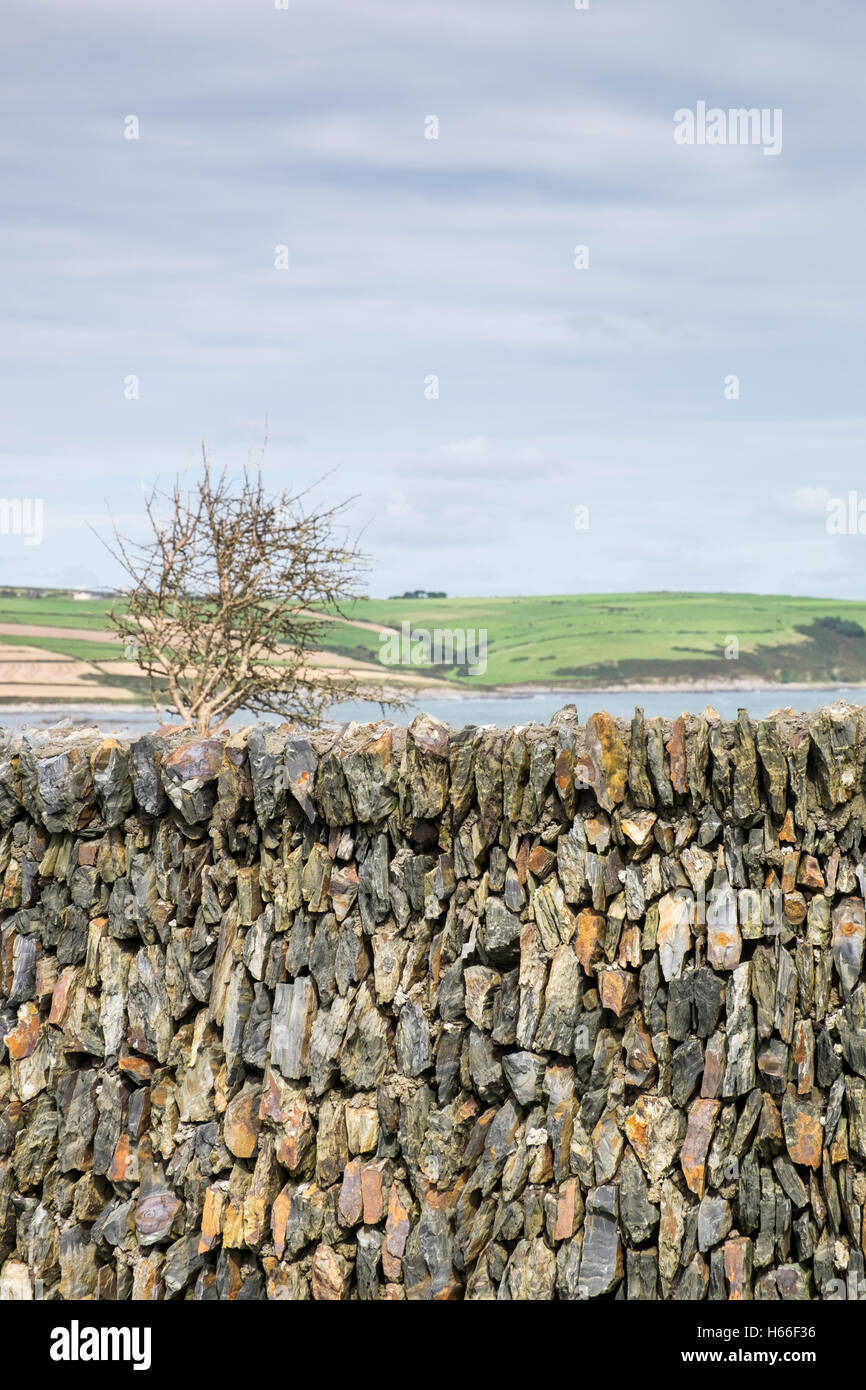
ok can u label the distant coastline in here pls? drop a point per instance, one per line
(59, 652)
(456, 694)
(449, 694)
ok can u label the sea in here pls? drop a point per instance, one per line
(500, 711)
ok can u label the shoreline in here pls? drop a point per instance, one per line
(661, 687)
(517, 693)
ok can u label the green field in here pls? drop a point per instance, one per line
(66, 646)
(604, 639)
(571, 641)
(56, 610)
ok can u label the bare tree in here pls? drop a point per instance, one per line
(230, 597)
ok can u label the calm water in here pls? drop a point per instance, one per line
(502, 712)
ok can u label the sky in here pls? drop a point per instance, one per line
(285, 250)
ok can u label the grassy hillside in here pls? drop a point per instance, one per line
(603, 639)
(56, 610)
(572, 641)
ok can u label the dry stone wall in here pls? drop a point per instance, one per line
(565, 1012)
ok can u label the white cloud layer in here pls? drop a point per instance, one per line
(453, 258)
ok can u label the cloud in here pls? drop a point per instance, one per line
(811, 499)
(454, 257)
(398, 504)
(467, 449)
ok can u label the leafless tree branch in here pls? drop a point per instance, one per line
(231, 595)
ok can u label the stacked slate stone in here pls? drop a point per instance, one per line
(565, 1012)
